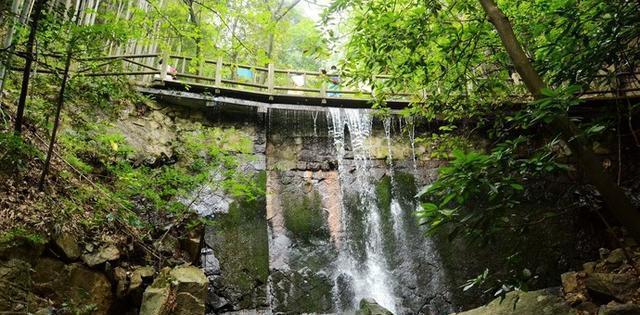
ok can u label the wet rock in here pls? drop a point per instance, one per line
(216, 302)
(371, 307)
(541, 302)
(301, 291)
(346, 293)
(68, 245)
(619, 286)
(102, 255)
(614, 308)
(210, 263)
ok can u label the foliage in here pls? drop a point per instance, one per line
(15, 153)
(479, 193)
(449, 50)
(17, 234)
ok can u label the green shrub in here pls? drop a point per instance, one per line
(14, 153)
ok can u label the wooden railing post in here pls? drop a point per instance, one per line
(200, 68)
(271, 79)
(164, 66)
(219, 72)
(323, 88)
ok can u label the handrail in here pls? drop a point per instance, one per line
(147, 67)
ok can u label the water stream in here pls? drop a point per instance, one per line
(373, 279)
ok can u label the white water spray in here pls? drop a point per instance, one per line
(373, 280)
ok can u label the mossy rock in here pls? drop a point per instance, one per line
(241, 244)
(305, 219)
(297, 292)
(541, 302)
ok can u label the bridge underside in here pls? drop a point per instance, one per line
(200, 95)
(193, 94)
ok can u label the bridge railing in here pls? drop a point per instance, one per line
(268, 79)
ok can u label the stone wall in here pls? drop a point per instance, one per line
(282, 252)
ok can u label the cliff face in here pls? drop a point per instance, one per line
(319, 217)
(340, 228)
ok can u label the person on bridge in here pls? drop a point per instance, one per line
(170, 71)
(334, 82)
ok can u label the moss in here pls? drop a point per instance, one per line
(243, 247)
(357, 234)
(297, 293)
(384, 198)
(305, 218)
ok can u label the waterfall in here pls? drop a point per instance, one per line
(373, 280)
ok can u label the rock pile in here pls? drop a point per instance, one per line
(609, 286)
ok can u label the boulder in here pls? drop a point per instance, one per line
(14, 277)
(589, 267)
(102, 255)
(139, 275)
(371, 307)
(75, 285)
(191, 245)
(616, 257)
(120, 278)
(155, 301)
(619, 309)
(191, 280)
(541, 302)
(573, 287)
(89, 287)
(68, 245)
(619, 286)
(179, 291)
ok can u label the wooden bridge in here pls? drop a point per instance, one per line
(211, 82)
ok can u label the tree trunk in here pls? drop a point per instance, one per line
(12, 20)
(617, 202)
(196, 23)
(60, 103)
(8, 41)
(37, 13)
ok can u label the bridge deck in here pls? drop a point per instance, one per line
(202, 95)
(198, 94)
(208, 82)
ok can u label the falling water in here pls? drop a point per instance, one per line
(412, 139)
(373, 280)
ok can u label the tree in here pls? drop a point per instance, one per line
(29, 57)
(618, 203)
(447, 50)
(61, 95)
